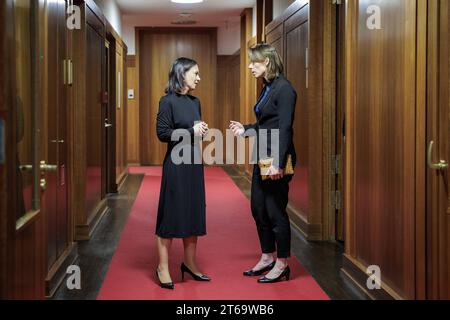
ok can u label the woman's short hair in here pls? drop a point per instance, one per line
(177, 74)
(260, 52)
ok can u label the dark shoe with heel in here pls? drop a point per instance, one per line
(167, 285)
(285, 274)
(184, 269)
(252, 273)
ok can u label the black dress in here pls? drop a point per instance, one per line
(181, 210)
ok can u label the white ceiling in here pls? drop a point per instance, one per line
(208, 12)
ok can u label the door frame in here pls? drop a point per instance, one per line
(110, 133)
(7, 207)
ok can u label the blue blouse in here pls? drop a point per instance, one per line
(262, 98)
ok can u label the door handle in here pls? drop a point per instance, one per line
(26, 167)
(47, 167)
(107, 124)
(435, 166)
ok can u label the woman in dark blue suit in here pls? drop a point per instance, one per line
(274, 110)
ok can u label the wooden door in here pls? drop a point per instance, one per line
(22, 222)
(438, 195)
(60, 248)
(385, 119)
(95, 115)
(157, 49)
(296, 63)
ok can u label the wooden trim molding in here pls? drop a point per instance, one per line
(57, 273)
(356, 272)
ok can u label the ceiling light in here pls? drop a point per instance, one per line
(187, 1)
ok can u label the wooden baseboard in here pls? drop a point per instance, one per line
(122, 179)
(355, 272)
(133, 164)
(312, 232)
(84, 232)
(57, 272)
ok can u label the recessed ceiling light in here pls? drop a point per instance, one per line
(187, 1)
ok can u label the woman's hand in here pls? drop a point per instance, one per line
(200, 129)
(237, 128)
(275, 173)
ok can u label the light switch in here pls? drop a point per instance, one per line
(130, 93)
(2, 142)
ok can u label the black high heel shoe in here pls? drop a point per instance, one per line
(194, 276)
(167, 285)
(252, 273)
(285, 274)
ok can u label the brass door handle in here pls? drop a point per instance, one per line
(26, 167)
(435, 166)
(47, 167)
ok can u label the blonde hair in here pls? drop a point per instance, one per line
(260, 52)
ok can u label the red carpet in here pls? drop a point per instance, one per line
(230, 247)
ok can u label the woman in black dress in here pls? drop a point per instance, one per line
(181, 210)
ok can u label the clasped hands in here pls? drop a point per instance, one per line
(200, 129)
(273, 172)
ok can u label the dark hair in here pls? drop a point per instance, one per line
(260, 52)
(177, 74)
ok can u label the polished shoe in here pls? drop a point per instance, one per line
(285, 274)
(194, 276)
(252, 273)
(167, 285)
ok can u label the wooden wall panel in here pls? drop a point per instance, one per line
(300, 29)
(247, 85)
(228, 99)
(297, 43)
(158, 48)
(121, 109)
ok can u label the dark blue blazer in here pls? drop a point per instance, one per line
(277, 112)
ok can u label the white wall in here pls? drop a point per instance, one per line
(112, 13)
(228, 37)
(279, 6)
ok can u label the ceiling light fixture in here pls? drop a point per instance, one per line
(187, 1)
